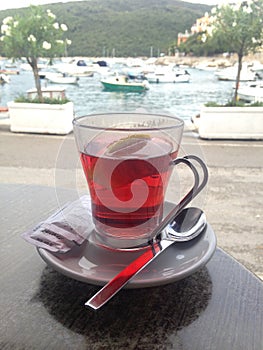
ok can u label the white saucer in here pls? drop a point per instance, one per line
(97, 265)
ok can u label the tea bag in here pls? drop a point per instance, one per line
(66, 228)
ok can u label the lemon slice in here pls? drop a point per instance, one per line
(128, 145)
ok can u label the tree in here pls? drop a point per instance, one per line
(35, 35)
(240, 24)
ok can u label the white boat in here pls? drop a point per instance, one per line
(168, 75)
(27, 67)
(44, 73)
(257, 67)
(252, 92)
(61, 79)
(206, 66)
(76, 68)
(4, 79)
(10, 64)
(230, 74)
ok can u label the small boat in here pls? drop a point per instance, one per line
(77, 68)
(168, 75)
(3, 110)
(9, 71)
(27, 67)
(230, 74)
(4, 79)
(61, 79)
(123, 83)
(4, 115)
(206, 66)
(257, 67)
(43, 73)
(10, 64)
(252, 92)
(82, 74)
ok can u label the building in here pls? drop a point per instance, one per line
(182, 37)
(200, 26)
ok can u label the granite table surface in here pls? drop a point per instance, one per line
(218, 307)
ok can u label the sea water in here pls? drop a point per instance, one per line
(183, 100)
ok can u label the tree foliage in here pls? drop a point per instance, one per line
(35, 35)
(199, 44)
(241, 27)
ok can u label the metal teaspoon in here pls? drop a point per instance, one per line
(188, 224)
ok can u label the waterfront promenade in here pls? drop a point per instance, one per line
(232, 201)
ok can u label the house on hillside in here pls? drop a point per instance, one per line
(182, 37)
(200, 26)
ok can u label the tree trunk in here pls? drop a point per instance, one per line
(33, 64)
(239, 68)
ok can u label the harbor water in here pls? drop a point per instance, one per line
(183, 100)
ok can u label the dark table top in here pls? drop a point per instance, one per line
(218, 307)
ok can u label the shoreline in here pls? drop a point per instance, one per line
(218, 61)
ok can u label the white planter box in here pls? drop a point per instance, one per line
(231, 123)
(41, 118)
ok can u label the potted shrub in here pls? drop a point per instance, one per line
(37, 35)
(240, 27)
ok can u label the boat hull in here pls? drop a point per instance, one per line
(62, 80)
(123, 87)
(168, 78)
(252, 93)
(168, 75)
(230, 74)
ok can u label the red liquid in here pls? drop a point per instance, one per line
(119, 201)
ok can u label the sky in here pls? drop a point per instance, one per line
(24, 3)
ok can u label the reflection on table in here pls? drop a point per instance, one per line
(217, 307)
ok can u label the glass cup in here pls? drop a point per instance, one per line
(128, 159)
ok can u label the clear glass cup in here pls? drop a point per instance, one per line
(127, 159)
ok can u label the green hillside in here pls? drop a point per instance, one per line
(121, 27)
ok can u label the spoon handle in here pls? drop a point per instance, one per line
(122, 278)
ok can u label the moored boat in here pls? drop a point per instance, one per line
(230, 74)
(168, 75)
(9, 71)
(122, 83)
(76, 68)
(4, 115)
(4, 79)
(61, 79)
(252, 92)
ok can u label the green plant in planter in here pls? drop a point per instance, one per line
(234, 104)
(239, 25)
(36, 34)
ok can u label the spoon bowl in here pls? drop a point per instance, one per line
(187, 225)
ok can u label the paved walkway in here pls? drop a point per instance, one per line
(232, 201)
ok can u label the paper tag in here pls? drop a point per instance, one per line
(64, 229)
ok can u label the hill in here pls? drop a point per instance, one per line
(121, 27)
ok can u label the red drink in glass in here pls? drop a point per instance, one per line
(127, 159)
(127, 179)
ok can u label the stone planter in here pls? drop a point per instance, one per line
(230, 123)
(41, 118)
